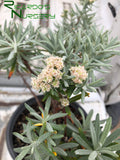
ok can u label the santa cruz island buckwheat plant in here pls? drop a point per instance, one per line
(69, 56)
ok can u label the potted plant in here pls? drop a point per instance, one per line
(70, 55)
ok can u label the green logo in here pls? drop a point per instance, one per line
(10, 4)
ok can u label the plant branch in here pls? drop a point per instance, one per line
(28, 67)
(28, 86)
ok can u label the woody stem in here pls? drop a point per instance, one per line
(28, 86)
(28, 67)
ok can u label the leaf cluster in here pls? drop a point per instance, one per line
(100, 144)
(16, 48)
(90, 49)
(88, 140)
(77, 41)
(42, 136)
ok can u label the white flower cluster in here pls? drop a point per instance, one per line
(55, 62)
(64, 101)
(79, 74)
(50, 76)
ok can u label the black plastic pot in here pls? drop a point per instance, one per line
(10, 128)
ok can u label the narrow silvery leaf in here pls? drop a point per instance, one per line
(106, 158)
(43, 137)
(7, 36)
(19, 60)
(88, 119)
(24, 35)
(33, 112)
(81, 141)
(11, 55)
(97, 126)
(49, 127)
(29, 133)
(58, 126)
(101, 158)
(37, 154)
(30, 109)
(115, 147)
(4, 43)
(93, 155)
(19, 34)
(113, 136)
(62, 46)
(57, 136)
(23, 154)
(106, 131)
(60, 151)
(47, 105)
(57, 115)
(52, 142)
(5, 50)
(83, 116)
(83, 96)
(93, 135)
(68, 145)
(42, 129)
(109, 152)
(36, 116)
(47, 158)
(76, 121)
(83, 152)
(24, 139)
(72, 127)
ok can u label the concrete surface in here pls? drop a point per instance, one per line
(10, 98)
